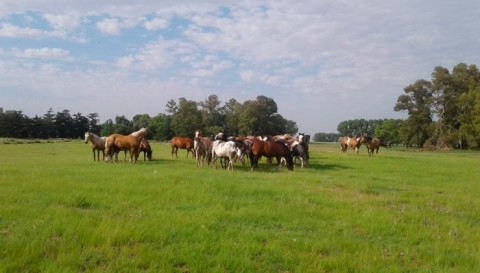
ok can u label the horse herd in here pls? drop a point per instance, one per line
(227, 150)
(220, 148)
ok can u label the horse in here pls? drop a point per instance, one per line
(304, 139)
(373, 144)
(98, 144)
(207, 142)
(200, 151)
(269, 148)
(130, 142)
(353, 143)
(146, 149)
(181, 143)
(224, 149)
(298, 151)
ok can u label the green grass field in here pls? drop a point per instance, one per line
(400, 211)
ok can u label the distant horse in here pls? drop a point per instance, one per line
(181, 143)
(98, 144)
(225, 149)
(269, 148)
(146, 149)
(353, 143)
(120, 142)
(373, 144)
(207, 143)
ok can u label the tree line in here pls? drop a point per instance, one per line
(182, 118)
(443, 112)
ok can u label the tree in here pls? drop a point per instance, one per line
(187, 119)
(160, 127)
(417, 101)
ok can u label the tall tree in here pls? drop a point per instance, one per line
(417, 101)
(187, 119)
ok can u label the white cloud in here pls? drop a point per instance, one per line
(156, 24)
(63, 22)
(46, 53)
(110, 26)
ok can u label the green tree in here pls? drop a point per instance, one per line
(187, 119)
(160, 127)
(417, 101)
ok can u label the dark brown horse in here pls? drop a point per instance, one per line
(269, 148)
(181, 143)
(131, 142)
(353, 143)
(146, 149)
(373, 144)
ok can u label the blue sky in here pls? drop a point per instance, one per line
(321, 61)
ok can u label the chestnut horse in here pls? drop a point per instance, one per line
(353, 143)
(98, 144)
(269, 148)
(120, 142)
(181, 143)
(372, 144)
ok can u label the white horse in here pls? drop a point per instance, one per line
(98, 144)
(225, 149)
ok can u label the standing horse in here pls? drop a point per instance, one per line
(98, 144)
(207, 143)
(146, 149)
(225, 149)
(200, 151)
(373, 144)
(353, 143)
(181, 143)
(269, 148)
(298, 151)
(120, 142)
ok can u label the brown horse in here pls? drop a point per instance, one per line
(120, 142)
(181, 143)
(373, 144)
(98, 144)
(353, 143)
(207, 143)
(269, 148)
(146, 149)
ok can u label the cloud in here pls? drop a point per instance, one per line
(110, 26)
(46, 53)
(63, 22)
(156, 24)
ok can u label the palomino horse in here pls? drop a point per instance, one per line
(146, 149)
(373, 144)
(98, 144)
(120, 142)
(181, 143)
(225, 149)
(269, 148)
(353, 143)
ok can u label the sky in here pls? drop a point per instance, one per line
(322, 61)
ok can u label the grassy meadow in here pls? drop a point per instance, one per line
(400, 211)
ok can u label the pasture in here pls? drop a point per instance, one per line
(396, 212)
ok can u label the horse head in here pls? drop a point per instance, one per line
(87, 137)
